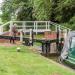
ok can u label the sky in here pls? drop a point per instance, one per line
(1, 1)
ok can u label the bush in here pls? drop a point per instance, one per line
(72, 20)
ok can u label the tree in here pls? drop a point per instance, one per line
(25, 11)
(65, 10)
(11, 6)
(6, 10)
(55, 10)
(41, 9)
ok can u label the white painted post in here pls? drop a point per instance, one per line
(30, 33)
(68, 31)
(30, 36)
(49, 25)
(11, 23)
(21, 36)
(24, 26)
(56, 28)
(46, 26)
(36, 28)
(1, 29)
(65, 34)
(59, 34)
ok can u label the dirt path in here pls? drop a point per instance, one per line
(4, 42)
(7, 44)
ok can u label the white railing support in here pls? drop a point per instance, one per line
(1, 29)
(11, 23)
(21, 36)
(30, 38)
(36, 28)
(59, 33)
(24, 26)
(46, 25)
(65, 34)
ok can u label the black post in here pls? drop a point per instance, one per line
(57, 42)
(43, 47)
(61, 42)
(46, 47)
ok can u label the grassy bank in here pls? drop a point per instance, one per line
(27, 62)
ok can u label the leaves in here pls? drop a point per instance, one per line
(55, 10)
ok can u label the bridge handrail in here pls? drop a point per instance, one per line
(35, 27)
(59, 25)
(6, 23)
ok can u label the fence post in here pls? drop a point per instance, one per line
(45, 47)
(36, 28)
(31, 37)
(56, 28)
(59, 34)
(34, 25)
(46, 25)
(1, 29)
(68, 30)
(57, 42)
(21, 36)
(24, 26)
(65, 34)
(11, 23)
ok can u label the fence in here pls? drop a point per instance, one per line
(37, 26)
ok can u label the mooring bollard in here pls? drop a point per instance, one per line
(18, 49)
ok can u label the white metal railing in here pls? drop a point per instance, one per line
(38, 26)
(3, 28)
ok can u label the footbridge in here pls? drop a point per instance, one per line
(51, 40)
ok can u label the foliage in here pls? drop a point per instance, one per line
(25, 13)
(72, 20)
(65, 10)
(10, 7)
(42, 9)
(61, 11)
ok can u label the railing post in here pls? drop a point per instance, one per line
(56, 28)
(31, 37)
(34, 25)
(21, 36)
(49, 25)
(65, 34)
(24, 26)
(46, 25)
(11, 23)
(1, 29)
(36, 28)
(68, 30)
(59, 34)
(57, 42)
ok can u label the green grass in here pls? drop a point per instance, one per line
(27, 62)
